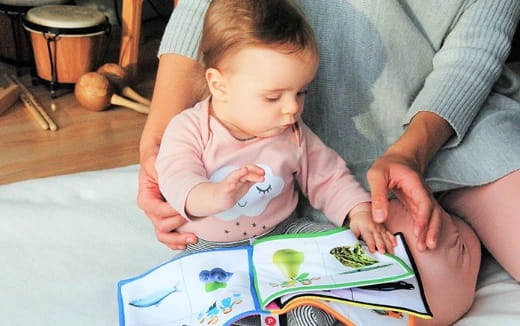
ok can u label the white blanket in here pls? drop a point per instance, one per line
(66, 241)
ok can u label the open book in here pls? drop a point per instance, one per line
(332, 270)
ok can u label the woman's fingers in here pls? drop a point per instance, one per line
(434, 228)
(378, 183)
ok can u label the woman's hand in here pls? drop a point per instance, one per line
(400, 170)
(163, 217)
(401, 176)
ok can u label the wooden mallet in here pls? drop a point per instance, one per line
(118, 76)
(94, 91)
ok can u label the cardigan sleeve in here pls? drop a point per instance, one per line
(182, 33)
(468, 64)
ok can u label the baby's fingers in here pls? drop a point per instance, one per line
(389, 242)
(370, 240)
(381, 240)
(237, 175)
(254, 173)
(253, 168)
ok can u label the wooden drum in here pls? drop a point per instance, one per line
(68, 41)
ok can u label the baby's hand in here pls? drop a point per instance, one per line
(237, 184)
(375, 235)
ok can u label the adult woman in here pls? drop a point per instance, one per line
(404, 90)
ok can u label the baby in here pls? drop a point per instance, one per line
(232, 165)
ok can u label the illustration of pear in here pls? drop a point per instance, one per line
(288, 261)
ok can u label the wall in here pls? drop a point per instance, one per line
(108, 8)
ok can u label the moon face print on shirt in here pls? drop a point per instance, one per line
(254, 202)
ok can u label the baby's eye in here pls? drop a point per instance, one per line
(272, 98)
(264, 191)
(302, 93)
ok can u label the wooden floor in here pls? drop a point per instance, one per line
(84, 141)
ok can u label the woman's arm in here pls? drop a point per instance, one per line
(468, 63)
(179, 85)
(465, 68)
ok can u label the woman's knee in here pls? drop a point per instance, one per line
(449, 272)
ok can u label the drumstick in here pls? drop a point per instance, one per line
(13, 79)
(34, 112)
(28, 105)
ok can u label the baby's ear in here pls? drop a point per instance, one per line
(217, 84)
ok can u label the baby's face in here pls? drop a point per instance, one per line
(266, 90)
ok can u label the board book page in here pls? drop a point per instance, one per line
(274, 274)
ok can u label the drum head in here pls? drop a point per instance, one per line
(66, 20)
(65, 16)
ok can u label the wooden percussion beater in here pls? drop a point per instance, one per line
(94, 91)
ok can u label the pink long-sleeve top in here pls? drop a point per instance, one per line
(197, 148)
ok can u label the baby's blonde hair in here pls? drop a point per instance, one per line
(232, 25)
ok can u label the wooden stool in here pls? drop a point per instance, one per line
(130, 34)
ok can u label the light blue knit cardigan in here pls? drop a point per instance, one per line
(382, 61)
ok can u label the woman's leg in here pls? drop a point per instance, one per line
(493, 211)
(448, 273)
